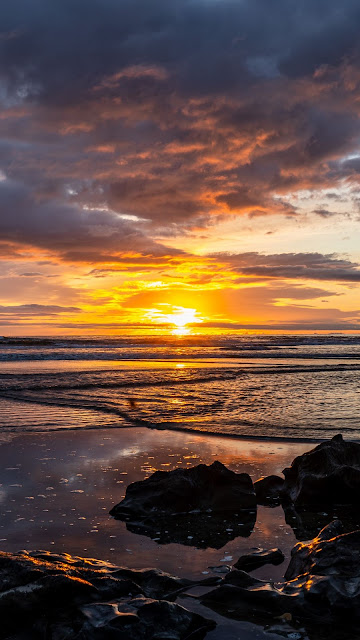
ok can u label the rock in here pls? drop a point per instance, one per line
(256, 559)
(222, 568)
(201, 488)
(204, 506)
(331, 553)
(65, 598)
(268, 490)
(243, 597)
(142, 619)
(321, 590)
(328, 474)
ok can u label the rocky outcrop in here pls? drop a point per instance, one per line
(268, 490)
(321, 587)
(44, 595)
(257, 559)
(201, 488)
(204, 506)
(329, 474)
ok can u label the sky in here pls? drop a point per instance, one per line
(172, 165)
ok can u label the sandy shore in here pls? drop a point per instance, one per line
(56, 490)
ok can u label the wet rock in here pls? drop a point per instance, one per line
(268, 490)
(257, 559)
(328, 474)
(321, 588)
(64, 598)
(204, 506)
(331, 553)
(287, 631)
(222, 568)
(201, 488)
(243, 597)
(142, 619)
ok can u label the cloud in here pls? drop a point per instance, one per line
(177, 112)
(36, 310)
(72, 232)
(127, 127)
(305, 266)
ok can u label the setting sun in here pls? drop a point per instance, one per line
(178, 316)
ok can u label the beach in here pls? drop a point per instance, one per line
(80, 421)
(57, 489)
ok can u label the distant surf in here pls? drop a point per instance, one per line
(289, 387)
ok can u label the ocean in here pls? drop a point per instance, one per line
(301, 387)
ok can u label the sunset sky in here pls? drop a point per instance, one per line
(179, 163)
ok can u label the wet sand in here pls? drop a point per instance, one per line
(56, 490)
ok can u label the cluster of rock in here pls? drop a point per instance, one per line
(207, 506)
(44, 595)
(59, 597)
(321, 588)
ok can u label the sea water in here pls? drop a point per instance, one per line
(290, 387)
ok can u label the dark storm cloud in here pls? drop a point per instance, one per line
(67, 230)
(176, 111)
(309, 266)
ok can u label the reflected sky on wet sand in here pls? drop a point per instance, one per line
(56, 491)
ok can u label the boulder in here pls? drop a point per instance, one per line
(202, 488)
(257, 559)
(329, 474)
(204, 506)
(268, 490)
(331, 553)
(67, 598)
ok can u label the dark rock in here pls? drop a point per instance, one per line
(222, 568)
(44, 595)
(201, 488)
(204, 506)
(243, 597)
(256, 559)
(268, 490)
(328, 474)
(142, 619)
(321, 588)
(331, 553)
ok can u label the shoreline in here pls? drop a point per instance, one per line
(140, 424)
(57, 487)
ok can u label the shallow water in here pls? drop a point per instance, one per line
(67, 452)
(265, 386)
(56, 490)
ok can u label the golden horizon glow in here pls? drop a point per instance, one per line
(178, 316)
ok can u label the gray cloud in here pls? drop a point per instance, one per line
(36, 310)
(68, 230)
(304, 266)
(175, 111)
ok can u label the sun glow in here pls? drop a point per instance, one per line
(180, 317)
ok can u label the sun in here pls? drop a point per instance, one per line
(178, 316)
